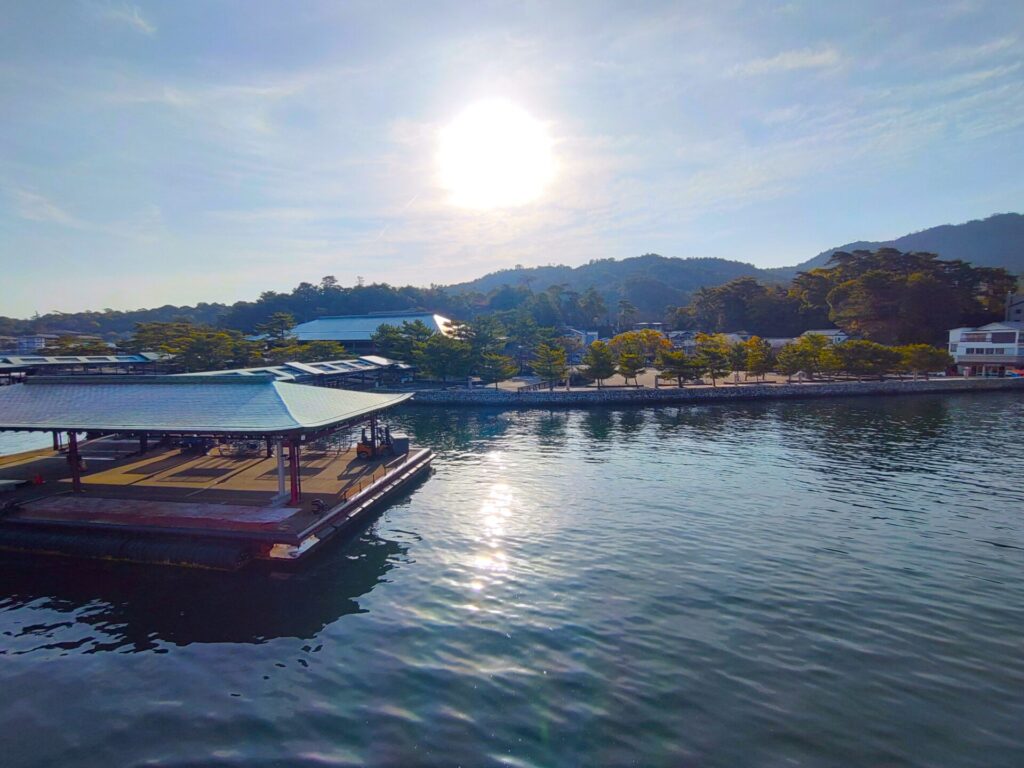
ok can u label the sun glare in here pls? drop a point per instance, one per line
(494, 155)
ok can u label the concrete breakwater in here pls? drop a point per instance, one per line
(601, 397)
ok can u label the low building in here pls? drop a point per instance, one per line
(835, 335)
(778, 342)
(585, 338)
(364, 372)
(17, 367)
(990, 350)
(356, 331)
(31, 343)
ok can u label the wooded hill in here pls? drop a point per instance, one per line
(647, 285)
(997, 241)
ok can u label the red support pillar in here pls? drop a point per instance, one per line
(76, 462)
(293, 471)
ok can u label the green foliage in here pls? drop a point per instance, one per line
(444, 357)
(630, 365)
(549, 364)
(627, 313)
(760, 358)
(311, 352)
(904, 298)
(494, 368)
(645, 343)
(713, 355)
(593, 311)
(599, 362)
(866, 358)
(111, 324)
(196, 347)
(809, 354)
(676, 364)
(401, 342)
(738, 357)
(278, 329)
(746, 304)
(924, 358)
(74, 345)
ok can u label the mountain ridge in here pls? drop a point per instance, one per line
(650, 282)
(1002, 233)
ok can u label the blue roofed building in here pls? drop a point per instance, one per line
(356, 331)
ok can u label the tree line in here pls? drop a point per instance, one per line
(884, 296)
(197, 347)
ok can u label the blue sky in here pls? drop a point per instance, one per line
(157, 153)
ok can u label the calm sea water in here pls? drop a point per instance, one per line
(833, 583)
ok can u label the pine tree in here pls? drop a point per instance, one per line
(494, 368)
(549, 363)
(599, 362)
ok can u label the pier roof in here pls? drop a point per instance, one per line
(213, 405)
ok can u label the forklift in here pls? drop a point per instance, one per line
(377, 443)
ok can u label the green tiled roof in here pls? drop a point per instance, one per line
(182, 404)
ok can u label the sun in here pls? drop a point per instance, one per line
(494, 154)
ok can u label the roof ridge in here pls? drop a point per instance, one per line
(284, 402)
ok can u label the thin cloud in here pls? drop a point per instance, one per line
(130, 15)
(35, 207)
(789, 61)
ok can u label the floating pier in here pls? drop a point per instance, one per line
(210, 472)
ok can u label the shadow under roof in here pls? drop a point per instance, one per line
(214, 405)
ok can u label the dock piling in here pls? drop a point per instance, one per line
(76, 462)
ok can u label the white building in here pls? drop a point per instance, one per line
(835, 335)
(32, 343)
(990, 350)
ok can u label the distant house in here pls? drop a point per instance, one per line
(778, 342)
(33, 342)
(356, 331)
(735, 337)
(835, 335)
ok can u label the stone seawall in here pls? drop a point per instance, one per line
(595, 397)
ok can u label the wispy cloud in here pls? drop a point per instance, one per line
(789, 61)
(130, 15)
(143, 224)
(34, 207)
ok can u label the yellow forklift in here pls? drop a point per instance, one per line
(375, 444)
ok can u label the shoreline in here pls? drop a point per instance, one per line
(580, 398)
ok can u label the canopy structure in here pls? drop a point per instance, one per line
(254, 406)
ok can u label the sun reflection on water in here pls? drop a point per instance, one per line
(489, 565)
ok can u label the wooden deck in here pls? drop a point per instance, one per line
(170, 493)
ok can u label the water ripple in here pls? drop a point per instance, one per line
(820, 584)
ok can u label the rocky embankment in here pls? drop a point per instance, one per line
(646, 396)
